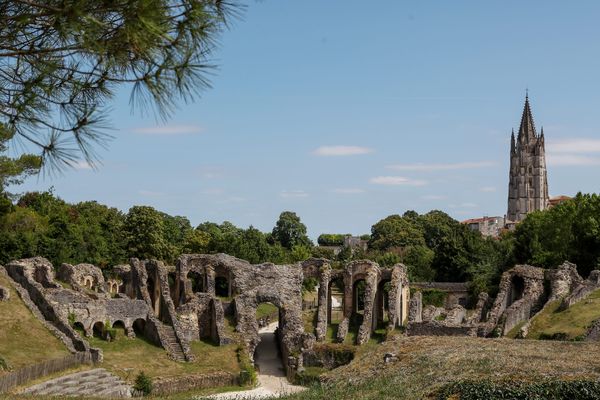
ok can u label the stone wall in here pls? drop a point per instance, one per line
(437, 328)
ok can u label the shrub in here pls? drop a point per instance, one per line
(310, 376)
(247, 373)
(143, 383)
(4, 365)
(554, 336)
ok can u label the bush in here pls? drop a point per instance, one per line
(4, 365)
(554, 336)
(546, 389)
(143, 383)
(327, 239)
(248, 373)
(310, 376)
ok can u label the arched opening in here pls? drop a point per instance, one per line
(517, 288)
(335, 312)
(139, 327)
(197, 281)
(154, 296)
(383, 303)
(78, 327)
(358, 298)
(98, 330)
(119, 329)
(222, 287)
(267, 355)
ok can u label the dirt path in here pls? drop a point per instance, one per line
(271, 379)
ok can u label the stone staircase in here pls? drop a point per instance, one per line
(96, 382)
(174, 347)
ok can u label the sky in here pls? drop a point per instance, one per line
(348, 111)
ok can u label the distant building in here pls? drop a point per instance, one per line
(487, 226)
(528, 183)
(556, 200)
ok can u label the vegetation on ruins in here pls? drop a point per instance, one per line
(143, 383)
(62, 61)
(434, 246)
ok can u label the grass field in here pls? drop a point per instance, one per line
(574, 321)
(23, 338)
(127, 357)
(426, 363)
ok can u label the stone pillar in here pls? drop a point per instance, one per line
(324, 303)
(210, 280)
(364, 333)
(415, 312)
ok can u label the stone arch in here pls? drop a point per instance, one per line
(222, 286)
(139, 327)
(517, 289)
(382, 302)
(197, 281)
(98, 329)
(154, 292)
(335, 300)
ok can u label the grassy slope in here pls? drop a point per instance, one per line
(23, 338)
(427, 363)
(573, 321)
(127, 357)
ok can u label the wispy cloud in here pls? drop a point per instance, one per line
(81, 165)
(169, 130)
(464, 205)
(433, 197)
(396, 181)
(348, 190)
(579, 146)
(293, 194)
(211, 172)
(573, 152)
(335, 151)
(440, 167)
(571, 160)
(488, 189)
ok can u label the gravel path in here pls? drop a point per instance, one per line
(271, 379)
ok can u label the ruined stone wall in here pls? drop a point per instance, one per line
(82, 277)
(437, 328)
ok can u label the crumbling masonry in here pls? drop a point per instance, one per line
(174, 305)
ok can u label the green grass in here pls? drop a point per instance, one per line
(24, 339)
(127, 357)
(574, 321)
(266, 310)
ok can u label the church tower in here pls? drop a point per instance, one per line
(528, 184)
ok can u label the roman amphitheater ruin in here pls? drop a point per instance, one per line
(173, 305)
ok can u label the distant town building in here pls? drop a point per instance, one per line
(487, 226)
(556, 200)
(528, 183)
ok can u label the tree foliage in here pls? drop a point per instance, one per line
(289, 231)
(62, 61)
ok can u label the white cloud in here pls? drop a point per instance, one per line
(580, 145)
(488, 189)
(169, 130)
(341, 150)
(570, 160)
(433, 197)
(573, 152)
(82, 165)
(397, 180)
(291, 194)
(440, 167)
(348, 190)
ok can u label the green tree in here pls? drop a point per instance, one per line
(63, 61)
(13, 171)
(144, 230)
(395, 231)
(290, 231)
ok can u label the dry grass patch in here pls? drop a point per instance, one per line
(426, 363)
(24, 339)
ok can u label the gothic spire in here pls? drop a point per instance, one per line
(527, 128)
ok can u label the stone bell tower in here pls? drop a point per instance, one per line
(528, 184)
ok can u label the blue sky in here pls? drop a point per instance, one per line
(346, 112)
